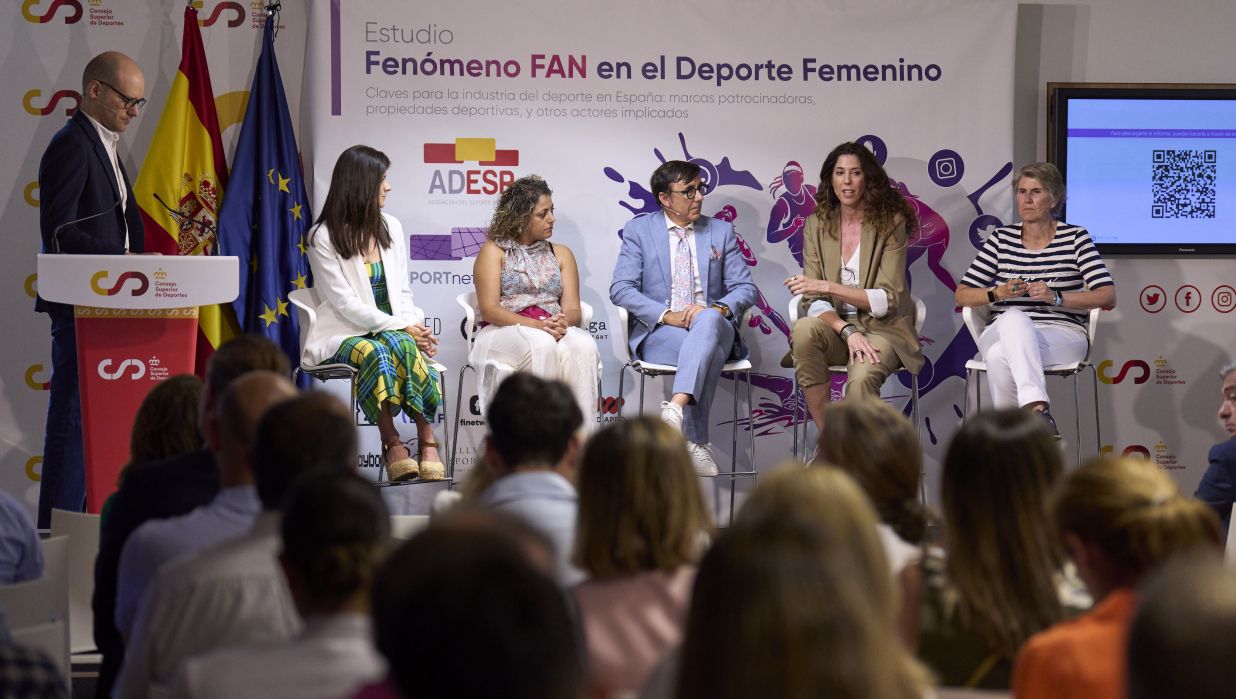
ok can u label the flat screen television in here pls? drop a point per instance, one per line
(1150, 169)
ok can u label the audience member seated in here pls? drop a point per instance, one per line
(1003, 578)
(232, 511)
(28, 673)
(165, 489)
(1119, 520)
(533, 446)
(1217, 486)
(333, 525)
(642, 522)
(21, 554)
(1180, 643)
(235, 594)
(795, 600)
(878, 447)
(1041, 278)
(527, 289)
(858, 306)
(467, 609)
(166, 425)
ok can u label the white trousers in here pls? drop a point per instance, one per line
(501, 351)
(1016, 350)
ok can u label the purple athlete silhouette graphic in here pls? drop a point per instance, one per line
(931, 238)
(793, 206)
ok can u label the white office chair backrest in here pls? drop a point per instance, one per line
(37, 611)
(305, 301)
(82, 529)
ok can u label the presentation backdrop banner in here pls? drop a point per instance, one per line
(593, 98)
(44, 45)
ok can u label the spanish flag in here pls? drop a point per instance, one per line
(186, 168)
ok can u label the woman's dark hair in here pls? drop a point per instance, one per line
(515, 206)
(351, 213)
(454, 596)
(166, 424)
(333, 524)
(882, 203)
(1003, 557)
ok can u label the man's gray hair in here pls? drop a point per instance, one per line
(1227, 368)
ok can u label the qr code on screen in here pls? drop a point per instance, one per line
(1183, 183)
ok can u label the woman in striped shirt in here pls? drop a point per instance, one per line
(1041, 278)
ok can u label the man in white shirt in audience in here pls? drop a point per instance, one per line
(229, 434)
(236, 593)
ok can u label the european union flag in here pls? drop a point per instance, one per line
(265, 213)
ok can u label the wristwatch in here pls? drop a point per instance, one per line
(723, 309)
(847, 330)
(991, 295)
(1059, 299)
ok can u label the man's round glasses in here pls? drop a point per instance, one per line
(129, 102)
(690, 192)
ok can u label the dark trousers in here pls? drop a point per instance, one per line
(64, 473)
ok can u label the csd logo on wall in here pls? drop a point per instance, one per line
(37, 13)
(111, 371)
(227, 7)
(96, 283)
(53, 103)
(1138, 369)
(34, 382)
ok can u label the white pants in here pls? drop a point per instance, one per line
(1016, 350)
(500, 351)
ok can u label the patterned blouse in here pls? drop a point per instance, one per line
(530, 277)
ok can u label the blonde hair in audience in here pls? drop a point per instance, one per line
(878, 447)
(795, 600)
(1003, 557)
(640, 505)
(1135, 513)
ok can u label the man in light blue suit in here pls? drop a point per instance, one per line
(683, 280)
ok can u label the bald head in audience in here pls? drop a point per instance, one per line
(245, 401)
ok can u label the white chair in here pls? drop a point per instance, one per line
(920, 316)
(82, 530)
(472, 324)
(306, 302)
(737, 366)
(976, 320)
(37, 611)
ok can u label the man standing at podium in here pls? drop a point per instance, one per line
(86, 207)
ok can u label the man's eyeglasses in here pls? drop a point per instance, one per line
(690, 192)
(129, 102)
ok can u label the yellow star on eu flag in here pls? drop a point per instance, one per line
(283, 306)
(301, 246)
(283, 183)
(300, 281)
(296, 212)
(270, 175)
(270, 316)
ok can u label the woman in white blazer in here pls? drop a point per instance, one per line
(366, 317)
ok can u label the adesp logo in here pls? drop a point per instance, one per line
(73, 9)
(53, 103)
(1133, 365)
(96, 283)
(238, 10)
(484, 152)
(107, 372)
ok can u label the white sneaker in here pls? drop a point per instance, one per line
(671, 414)
(701, 456)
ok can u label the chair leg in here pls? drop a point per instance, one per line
(794, 417)
(1077, 417)
(446, 429)
(918, 430)
(622, 376)
(750, 421)
(458, 405)
(1098, 438)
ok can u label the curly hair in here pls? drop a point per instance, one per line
(515, 206)
(881, 202)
